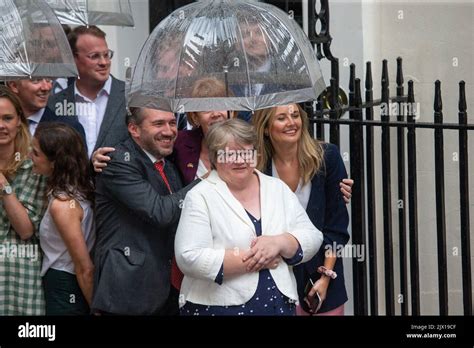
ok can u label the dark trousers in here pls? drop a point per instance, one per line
(171, 306)
(62, 294)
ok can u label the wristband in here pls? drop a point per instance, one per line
(328, 272)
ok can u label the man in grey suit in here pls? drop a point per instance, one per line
(96, 98)
(138, 204)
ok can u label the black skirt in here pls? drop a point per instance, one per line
(62, 294)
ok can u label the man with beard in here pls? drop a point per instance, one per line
(138, 205)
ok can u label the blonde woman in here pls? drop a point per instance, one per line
(22, 197)
(314, 171)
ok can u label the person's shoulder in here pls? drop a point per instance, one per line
(201, 192)
(116, 83)
(25, 167)
(331, 153)
(188, 139)
(60, 97)
(65, 206)
(189, 134)
(125, 151)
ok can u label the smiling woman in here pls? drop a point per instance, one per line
(21, 209)
(314, 171)
(240, 233)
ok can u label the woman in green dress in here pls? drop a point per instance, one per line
(21, 208)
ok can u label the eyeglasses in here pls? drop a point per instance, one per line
(96, 56)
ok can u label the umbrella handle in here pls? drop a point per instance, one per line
(226, 80)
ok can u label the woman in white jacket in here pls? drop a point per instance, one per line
(240, 233)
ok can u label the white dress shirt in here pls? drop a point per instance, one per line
(91, 113)
(34, 120)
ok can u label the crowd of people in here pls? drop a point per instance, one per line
(124, 214)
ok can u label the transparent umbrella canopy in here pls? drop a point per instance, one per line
(32, 42)
(93, 12)
(257, 50)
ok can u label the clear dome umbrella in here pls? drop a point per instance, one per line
(257, 50)
(93, 12)
(32, 42)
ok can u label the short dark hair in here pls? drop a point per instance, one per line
(73, 36)
(134, 115)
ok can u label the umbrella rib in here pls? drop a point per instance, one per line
(245, 55)
(87, 13)
(24, 38)
(302, 53)
(198, 11)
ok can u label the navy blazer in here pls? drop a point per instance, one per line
(187, 149)
(327, 211)
(136, 220)
(49, 115)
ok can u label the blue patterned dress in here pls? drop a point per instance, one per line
(267, 300)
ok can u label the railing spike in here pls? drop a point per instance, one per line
(357, 95)
(399, 71)
(385, 80)
(352, 77)
(438, 102)
(368, 76)
(411, 92)
(462, 97)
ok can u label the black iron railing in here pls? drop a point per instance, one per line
(362, 170)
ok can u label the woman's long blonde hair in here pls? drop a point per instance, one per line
(310, 151)
(22, 139)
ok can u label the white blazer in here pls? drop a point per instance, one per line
(213, 220)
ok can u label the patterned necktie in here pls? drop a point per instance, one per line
(159, 167)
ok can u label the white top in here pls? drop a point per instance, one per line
(91, 112)
(34, 120)
(302, 192)
(213, 220)
(202, 170)
(55, 253)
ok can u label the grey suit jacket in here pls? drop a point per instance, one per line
(136, 220)
(113, 129)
